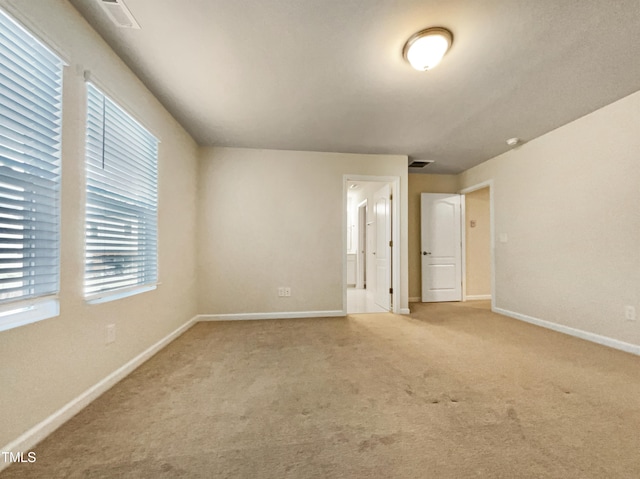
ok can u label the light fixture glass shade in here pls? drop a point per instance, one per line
(425, 49)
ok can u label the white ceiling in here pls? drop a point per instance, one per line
(328, 75)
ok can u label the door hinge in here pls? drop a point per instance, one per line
(391, 244)
(390, 197)
(390, 290)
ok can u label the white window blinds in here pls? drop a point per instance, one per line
(30, 124)
(121, 205)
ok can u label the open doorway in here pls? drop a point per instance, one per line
(478, 245)
(457, 245)
(370, 254)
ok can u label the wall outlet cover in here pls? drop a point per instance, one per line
(630, 313)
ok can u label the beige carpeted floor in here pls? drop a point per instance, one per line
(454, 391)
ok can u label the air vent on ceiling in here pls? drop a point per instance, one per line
(420, 163)
(119, 13)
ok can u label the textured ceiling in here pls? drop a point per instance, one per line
(328, 75)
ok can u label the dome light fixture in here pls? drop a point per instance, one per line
(425, 49)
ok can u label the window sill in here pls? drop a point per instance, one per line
(115, 295)
(27, 312)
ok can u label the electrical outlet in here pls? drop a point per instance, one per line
(111, 333)
(630, 313)
(284, 291)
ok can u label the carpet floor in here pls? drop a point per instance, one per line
(451, 391)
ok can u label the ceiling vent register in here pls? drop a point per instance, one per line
(119, 14)
(420, 163)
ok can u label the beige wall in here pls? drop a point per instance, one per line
(478, 243)
(46, 364)
(569, 203)
(420, 183)
(273, 218)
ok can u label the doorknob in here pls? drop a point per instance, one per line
(425, 253)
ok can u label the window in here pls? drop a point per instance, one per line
(121, 206)
(30, 136)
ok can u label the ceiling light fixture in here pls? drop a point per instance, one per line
(425, 49)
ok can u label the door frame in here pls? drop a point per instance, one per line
(464, 191)
(394, 181)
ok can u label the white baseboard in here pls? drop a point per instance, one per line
(41, 430)
(287, 315)
(405, 311)
(578, 333)
(476, 297)
(415, 299)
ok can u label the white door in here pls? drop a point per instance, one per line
(382, 214)
(362, 245)
(441, 252)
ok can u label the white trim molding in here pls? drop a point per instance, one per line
(19, 313)
(405, 311)
(45, 427)
(578, 333)
(287, 315)
(476, 297)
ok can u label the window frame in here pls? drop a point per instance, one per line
(23, 311)
(124, 291)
